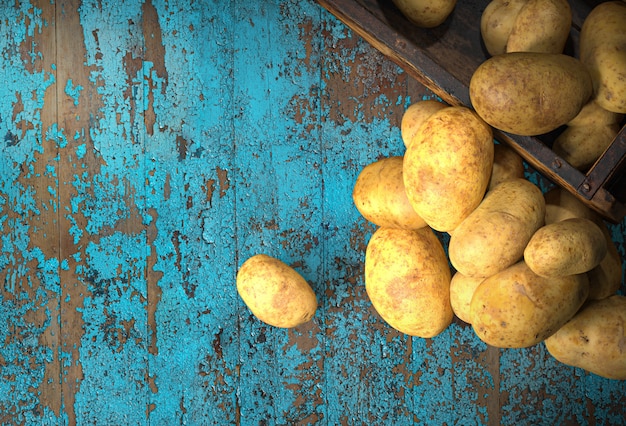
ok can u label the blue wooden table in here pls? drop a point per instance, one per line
(147, 150)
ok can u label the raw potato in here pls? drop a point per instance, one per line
(606, 278)
(529, 93)
(517, 308)
(274, 292)
(587, 136)
(571, 246)
(493, 236)
(380, 197)
(594, 339)
(462, 289)
(407, 278)
(507, 165)
(447, 166)
(415, 115)
(603, 51)
(426, 13)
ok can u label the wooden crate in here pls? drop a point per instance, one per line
(444, 59)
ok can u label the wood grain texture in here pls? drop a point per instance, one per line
(147, 150)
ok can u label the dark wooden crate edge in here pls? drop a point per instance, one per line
(590, 188)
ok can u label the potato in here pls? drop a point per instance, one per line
(603, 52)
(426, 13)
(496, 24)
(587, 136)
(529, 93)
(380, 197)
(447, 166)
(594, 339)
(274, 292)
(407, 278)
(415, 115)
(493, 236)
(507, 165)
(462, 289)
(517, 308)
(571, 246)
(541, 26)
(606, 278)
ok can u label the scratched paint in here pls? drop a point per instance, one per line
(198, 134)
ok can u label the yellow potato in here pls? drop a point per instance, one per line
(447, 166)
(571, 246)
(493, 236)
(274, 292)
(496, 23)
(603, 52)
(380, 197)
(415, 115)
(426, 13)
(529, 93)
(517, 308)
(541, 26)
(594, 339)
(407, 278)
(606, 278)
(462, 289)
(507, 165)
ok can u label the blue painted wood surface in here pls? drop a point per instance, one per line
(148, 149)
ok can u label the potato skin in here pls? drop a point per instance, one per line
(517, 308)
(447, 166)
(274, 292)
(407, 278)
(415, 115)
(494, 235)
(603, 51)
(570, 246)
(380, 197)
(529, 93)
(426, 13)
(594, 339)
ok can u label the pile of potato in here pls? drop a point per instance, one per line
(527, 267)
(522, 267)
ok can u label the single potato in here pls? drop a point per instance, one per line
(606, 278)
(529, 93)
(594, 339)
(275, 293)
(603, 52)
(415, 115)
(462, 289)
(494, 235)
(517, 308)
(380, 197)
(571, 246)
(426, 13)
(407, 278)
(507, 165)
(447, 166)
